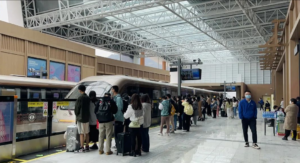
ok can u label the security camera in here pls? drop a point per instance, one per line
(194, 60)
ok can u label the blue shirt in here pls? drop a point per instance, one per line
(247, 110)
(261, 102)
(119, 101)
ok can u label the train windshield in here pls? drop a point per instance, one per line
(100, 87)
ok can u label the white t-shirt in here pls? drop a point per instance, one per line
(282, 104)
(235, 104)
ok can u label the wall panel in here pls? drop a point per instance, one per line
(135, 73)
(87, 71)
(57, 54)
(37, 49)
(16, 67)
(89, 61)
(141, 74)
(146, 75)
(74, 57)
(110, 69)
(13, 44)
(120, 71)
(128, 71)
(101, 67)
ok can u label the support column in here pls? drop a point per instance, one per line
(164, 65)
(142, 59)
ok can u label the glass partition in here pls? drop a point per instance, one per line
(31, 119)
(6, 120)
(63, 115)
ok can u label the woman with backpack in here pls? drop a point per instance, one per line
(214, 106)
(188, 112)
(94, 132)
(164, 106)
(195, 110)
(135, 113)
(146, 103)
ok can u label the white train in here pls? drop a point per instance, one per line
(131, 85)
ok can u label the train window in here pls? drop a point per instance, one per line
(36, 93)
(100, 87)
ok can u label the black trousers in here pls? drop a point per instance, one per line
(136, 140)
(180, 120)
(118, 128)
(208, 110)
(94, 133)
(145, 139)
(214, 113)
(252, 124)
(298, 119)
(288, 132)
(187, 122)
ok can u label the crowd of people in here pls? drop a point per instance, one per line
(114, 114)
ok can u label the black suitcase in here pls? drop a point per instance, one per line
(124, 144)
(223, 113)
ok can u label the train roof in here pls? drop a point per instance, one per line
(24, 81)
(114, 78)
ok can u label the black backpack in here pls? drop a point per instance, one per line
(125, 106)
(105, 110)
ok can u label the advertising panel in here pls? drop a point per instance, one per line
(57, 71)
(34, 64)
(6, 121)
(74, 73)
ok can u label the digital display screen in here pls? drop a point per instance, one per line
(191, 74)
(55, 95)
(230, 88)
(36, 95)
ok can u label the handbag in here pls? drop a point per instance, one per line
(135, 124)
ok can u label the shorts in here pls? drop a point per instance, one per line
(83, 128)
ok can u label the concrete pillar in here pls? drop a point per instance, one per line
(164, 65)
(11, 12)
(142, 61)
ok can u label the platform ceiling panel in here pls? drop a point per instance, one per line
(216, 31)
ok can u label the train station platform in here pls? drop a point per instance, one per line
(213, 141)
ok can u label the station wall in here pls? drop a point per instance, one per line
(18, 44)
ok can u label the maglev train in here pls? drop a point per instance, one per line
(131, 85)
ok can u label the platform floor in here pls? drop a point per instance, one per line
(213, 141)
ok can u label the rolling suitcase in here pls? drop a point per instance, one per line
(223, 113)
(124, 143)
(72, 139)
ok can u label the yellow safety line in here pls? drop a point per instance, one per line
(45, 156)
(19, 160)
(64, 151)
(68, 121)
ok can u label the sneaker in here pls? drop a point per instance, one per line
(284, 138)
(109, 153)
(179, 128)
(255, 146)
(161, 134)
(87, 148)
(94, 147)
(101, 152)
(80, 150)
(172, 132)
(246, 144)
(294, 139)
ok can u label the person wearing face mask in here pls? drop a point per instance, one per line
(248, 115)
(290, 122)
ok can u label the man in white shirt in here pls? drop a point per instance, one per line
(282, 103)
